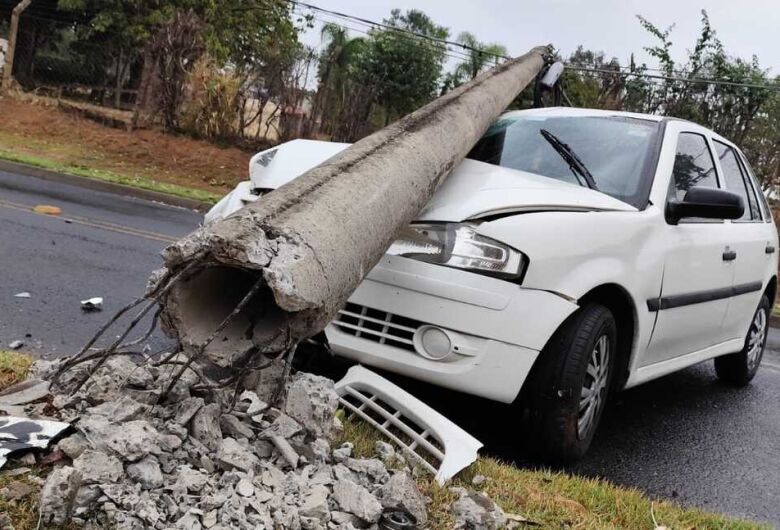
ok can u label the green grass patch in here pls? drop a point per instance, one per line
(14, 367)
(144, 183)
(553, 499)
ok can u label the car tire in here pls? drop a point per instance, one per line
(738, 369)
(578, 360)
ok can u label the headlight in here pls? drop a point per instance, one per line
(459, 246)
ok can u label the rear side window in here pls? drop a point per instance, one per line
(736, 180)
(693, 165)
(761, 197)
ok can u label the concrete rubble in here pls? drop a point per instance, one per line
(194, 462)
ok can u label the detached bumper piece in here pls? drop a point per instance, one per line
(435, 442)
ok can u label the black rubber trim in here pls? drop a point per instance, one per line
(769, 249)
(699, 297)
(729, 255)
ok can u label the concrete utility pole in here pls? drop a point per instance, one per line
(12, 32)
(310, 243)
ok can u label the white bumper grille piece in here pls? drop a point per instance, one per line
(431, 439)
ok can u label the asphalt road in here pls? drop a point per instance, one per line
(685, 436)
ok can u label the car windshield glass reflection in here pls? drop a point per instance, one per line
(614, 149)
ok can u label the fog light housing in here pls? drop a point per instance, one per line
(433, 343)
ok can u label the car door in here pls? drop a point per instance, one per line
(698, 271)
(751, 239)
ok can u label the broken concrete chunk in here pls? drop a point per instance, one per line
(401, 491)
(187, 409)
(245, 488)
(123, 409)
(146, 472)
(58, 495)
(24, 392)
(343, 452)
(476, 511)
(92, 304)
(357, 500)
(312, 401)
(235, 427)
(16, 344)
(286, 450)
(370, 471)
(97, 468)
(255, 405)
(73, 445)
(283, 426)
(205, 426)
(133, 440)
(191, 479)
(231, 455)
(315, 504)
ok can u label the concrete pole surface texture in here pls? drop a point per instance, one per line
(311, 242)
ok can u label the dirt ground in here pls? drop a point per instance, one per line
(45, 131)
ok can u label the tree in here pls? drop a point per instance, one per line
(404, 70)
(336, 65)
(480, 56)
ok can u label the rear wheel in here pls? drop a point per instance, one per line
(740, 368)
(570, 386)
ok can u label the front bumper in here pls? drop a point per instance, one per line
(497, 327)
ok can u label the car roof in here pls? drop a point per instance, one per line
(570, 111)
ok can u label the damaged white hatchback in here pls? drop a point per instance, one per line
(572, 254)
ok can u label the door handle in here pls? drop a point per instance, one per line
(769, 249)
(729, 255)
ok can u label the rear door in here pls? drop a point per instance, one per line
(751, 238)
(698, 272)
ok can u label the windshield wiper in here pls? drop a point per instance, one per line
(567, 153)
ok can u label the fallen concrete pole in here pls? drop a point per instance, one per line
(312, 241)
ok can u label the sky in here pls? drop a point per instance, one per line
(746, 27)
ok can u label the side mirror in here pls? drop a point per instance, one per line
(706, 203)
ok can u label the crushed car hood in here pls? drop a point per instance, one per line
(474, 190)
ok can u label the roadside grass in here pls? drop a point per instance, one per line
(13, 367)
(135, 181)
(552, 499)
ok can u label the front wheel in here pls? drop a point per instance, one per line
(740, 368)
(570, 386)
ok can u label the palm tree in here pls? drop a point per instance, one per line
(480, 55)
(335, 60)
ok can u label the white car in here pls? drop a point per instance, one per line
(573, 253)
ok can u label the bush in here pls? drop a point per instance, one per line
(212, 102)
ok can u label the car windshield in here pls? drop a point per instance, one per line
(614, 149)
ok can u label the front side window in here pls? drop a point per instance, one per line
(614, 149)
(693, 165)
(736, 180)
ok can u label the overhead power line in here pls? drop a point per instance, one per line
(382, 25)
(673, 78)
(624, 70)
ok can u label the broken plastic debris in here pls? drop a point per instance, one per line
(93, 304)
(24, 294)
(23, 434)
(15, 345)
(436, 438)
